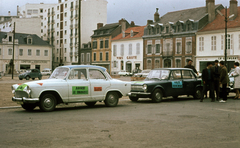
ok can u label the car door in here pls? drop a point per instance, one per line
(176, 83)
(78, 85)
(99, 84)
(188, 81)
(34, 73)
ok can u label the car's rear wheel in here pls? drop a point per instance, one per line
(39, 78)
(198, 93)
(33, 78)
(157, 96)
(28, 106)
(47, 102)
(134, 99)
(111, 99)
(27, 77)
(90, 104)
(20, 78)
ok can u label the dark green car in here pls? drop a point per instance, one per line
(164, 82)
(30, 74)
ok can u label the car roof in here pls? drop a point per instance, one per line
(172, 69)
(84, 66)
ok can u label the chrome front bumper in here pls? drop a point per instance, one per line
(138, 93)
(25, 100)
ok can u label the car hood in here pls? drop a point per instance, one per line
(145, 82)
(41, 83)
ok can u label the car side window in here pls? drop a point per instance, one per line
(96, 74)
(78, 74)
(176, 74)
(187, 74)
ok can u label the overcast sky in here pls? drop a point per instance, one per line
(138, 11)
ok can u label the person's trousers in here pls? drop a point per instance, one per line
(217, 88)
(224, 92)
(211, 88)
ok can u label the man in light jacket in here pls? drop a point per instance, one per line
(236, 75)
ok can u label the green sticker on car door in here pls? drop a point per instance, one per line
(79, 90)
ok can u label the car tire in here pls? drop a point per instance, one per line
(134, 99)
(90, 104)
(39, 78)
(157, 96)
(27, 77)
(198, 93)
(47, 103)
(111, 99)
(20, 78)
(28, 107)
(33, 78)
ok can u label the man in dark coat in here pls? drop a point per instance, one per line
(216, 72)
(189, 65)
(223, 80)
(208, 81)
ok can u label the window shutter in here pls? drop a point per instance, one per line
(153, 49)
(146, 49)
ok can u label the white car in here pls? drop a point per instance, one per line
(46, 72)
(71, 84)
(144, 73)
(124, 73)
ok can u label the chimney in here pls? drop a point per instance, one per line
(149, 22)
(59, 1)
(99, 25)
(233, 8)
(156, 16)
(9, 13)
(132, 24)
(123, 24)
(210, 8)
(18, 10)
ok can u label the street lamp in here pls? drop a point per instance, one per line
(226, 20)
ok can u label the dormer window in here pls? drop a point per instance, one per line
(10, 38)
(131, 33)
(29, 41)
(167, 29)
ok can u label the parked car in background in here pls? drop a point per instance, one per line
(30, 74)
(144, 73)
(124, 73)
(164, 82)
(46, 72)
(231, 80)
(71, 84)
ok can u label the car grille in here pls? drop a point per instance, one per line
(21, 94)
(136, 88)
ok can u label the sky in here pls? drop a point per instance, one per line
(138, 11)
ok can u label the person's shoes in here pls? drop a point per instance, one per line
(201, 100)
(222, 101)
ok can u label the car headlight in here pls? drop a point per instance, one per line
(145, 87)
(13, 89)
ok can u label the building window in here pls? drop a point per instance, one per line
(65, 14)
(122, 50)
(57, 59)
(101, 56)
(101, 44)
(65, 41)
(57, 7)
(29, 52)
(138, 48)
(107, 58)
(10, 38)
(188, 45)
(58, 16)
(158, 46)
(149, 64)
(213, 43)
(149, 49)
(82, 57)
(65, 23)
(65, 59)
(95, 44)
(130, 49)
(178, 63)
(45, 52)
(94, 56)
(75, 58)
(21, 52)
(179, 47)
(0, 51)
(29, 41)
(114, 50)
(37, 52)
(106, 43)
(201, 43)
(157, 63)
(65, 5)
(115, 64)
(10, 52)
(57, 24)
(88, 57)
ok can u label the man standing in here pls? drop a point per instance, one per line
(189, 65)
(216, 73)
(208, 80)
(223, 80)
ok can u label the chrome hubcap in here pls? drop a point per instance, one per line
(158, 95)
(48, 102)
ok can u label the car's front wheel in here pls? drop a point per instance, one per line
(134, 99)
(157, 96)
(27, 77)
(47, 102)
(28, 106)
(33, 78)
(20, 78)
(90, 104)
(39, 78)
(198, 93)
(111, 99)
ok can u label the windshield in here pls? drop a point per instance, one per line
(28, 70)
(145, 71)
(107, 74)
(59, 73)
(158, 74)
